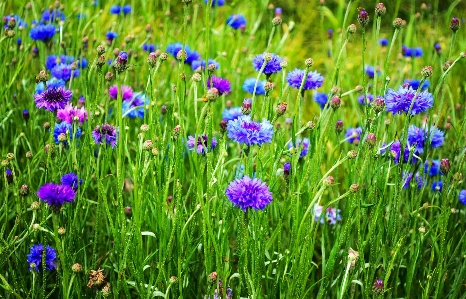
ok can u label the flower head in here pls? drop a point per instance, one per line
(353, 135)
(72, 180)
(35, 258)
(407, 177)
(215, 2)
(222, 85)
(400, 101)
(249, 193)
(437, 186)
(68, 114)
(415, 83)
(52, 83)
(321, 99)
(244, 130)
(111, 35)
(191, 55)
(232, 113)
(202, 143)
(53, 99)
(314, 79)
(383, 42)
(64, 71)
(369, 99)
(462, 197)
(115, 10)
(127, 9)
(432, 167)
(411, 52)
(129, 106)
(56, 195)
(248, 86)
(63, 128)
(127, 92)
(236, 21)
(52, 16)
(42, 32)
(418, 136)
(271, 67)
(370, 71)
(105, 134)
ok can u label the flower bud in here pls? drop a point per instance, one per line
(35, 205)
(283, 64)
(246, 107)
(281, 108)
(61, 231)
(352, 29)
(354, 188)
(223, 126)
(339, 126)
(427, 71)
(455, 24)
(310, 125)
(446, 66)
(445, 166)
(100, 62)
(163, 56)
(328, 181)
(267, 57)
(268, 86)
(42, 77)
(176, 131)
(196, 77)
(352, 154)
(147, 145)
(359, 88)
(335, 102)
(24, 190)
(309, 62)
(101, 50)
(128, 211)
(212, 94)
(380, 9)
(152, 59)
(378, 286)
(378, 105)
(398, 23)
(212, 277)
(371, 140)
(277, 21)
(363, 17)
(109, 76)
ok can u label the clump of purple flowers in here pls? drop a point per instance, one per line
(246, 131)
(419, 136)
(236, 21)
(272, 66)
(202, 143)
(64, 71)
(105, 134)
(383, 42)
(411, 52)
(247, 193)
(53, 99)
(127, 94)
(353, 135)
(400, 101)
(222, 85)
(313, 81)
(68, 114)
(248, 86)
(42, 32)
(56, 195)
(35, 258)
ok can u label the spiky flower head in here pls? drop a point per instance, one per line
(378, 287)
(56, 195)
(221, 84)
(353, 135)
(35, 258)
(313, 81)
(399, 101)
(427, 71)
(352, 29)
(445, 166)
(247, 193)
(42, 32)
(246, 131)
(272, 65)
(236, 21)
(202, 143)
(105, 134)
(462, 197)
(250, 83)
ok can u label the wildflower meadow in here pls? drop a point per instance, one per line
(233, 149)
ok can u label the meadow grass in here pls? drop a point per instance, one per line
(365, 202)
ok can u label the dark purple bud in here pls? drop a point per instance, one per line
(363, 17)
(26, 114)
(339, 126)
(445, 166)
(455, 24)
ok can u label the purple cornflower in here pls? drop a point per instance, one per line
(395, 152)
(148, 48)
(437, 137)
(222, 85)
(249, 193)
(105, 134)
(72, 180)
(321, 99)
(199, 65)
(42, 32)
(418, 136)
(273, 66)
(332, 216)
(64, 127)
(383, 42)
(139, 100)
(236, 21)
(9, 176)
(53, 99)
(244, 130)
(369, 99)
(56, 195)
(35, 258)
(68, 114)
(407, 177)
(248, 86)
(303, 144)
(232, 113)
(127, 9)
(370, 71)
(287, 168)
(400, 101)
(434, 166)
(412, 52)
(215, 2)
(111, 35)
(462, 197)
(52, 16)
(115, 10)
(437, 186)
(353, 135)
(202, 143)
(64, 72)
(415, 83)
(127, 92)
(314, 79)
(192, 55)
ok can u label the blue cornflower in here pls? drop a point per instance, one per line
(400, 101)
(462, 197)
(418, 136)
(415, 83)
(52, 83)
(287, 168)
(395, 151)
(148, 48)
(115, 10)
(407, 180)
(314, 79)
(245, 131)
(248, 86)
(56, 195)
(411, 52)
(321, 99)
(82, 63)
(202, 143)
(437, 186)
(62, 128)
(105, 134)
(127, 9)
(273, 66)
(72, 180)
(437, 137)
(247, 193)
(192, 55)
(434, 167)
(64, 71)
(199, 65)
(303, 144)
(51, 61)
(35, 258)
(215, 2)
(139, 100)
(232, 113)
(369, 99)
(353, 135)
(42, 32)
(236, 21)
(370, 71)
(53, 16)
(111, 35)
(383, 42)
(332, 215)
(222, 85)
